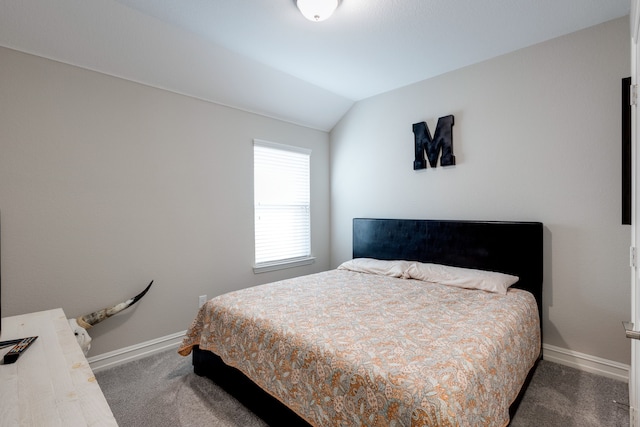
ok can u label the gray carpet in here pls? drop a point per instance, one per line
(563, 397)
(162, 390)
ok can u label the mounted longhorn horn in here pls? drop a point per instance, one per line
(88, 320)
(80, 324)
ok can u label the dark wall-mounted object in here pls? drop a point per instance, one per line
(442, 140)
(626, 150)
(0, 298)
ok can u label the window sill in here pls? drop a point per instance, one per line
(281, 265)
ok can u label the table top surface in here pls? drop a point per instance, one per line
(51, 383)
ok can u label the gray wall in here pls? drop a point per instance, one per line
(106, 184)
(536, 137)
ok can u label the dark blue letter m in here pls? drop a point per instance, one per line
(442, 140)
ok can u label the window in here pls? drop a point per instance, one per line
(281, 194)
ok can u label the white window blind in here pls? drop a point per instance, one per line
(281, 203)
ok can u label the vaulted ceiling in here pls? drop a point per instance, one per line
(263, 56)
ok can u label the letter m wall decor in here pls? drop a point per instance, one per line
(442, 141)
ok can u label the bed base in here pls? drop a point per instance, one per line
(234, 382)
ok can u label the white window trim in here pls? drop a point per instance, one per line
(284, 263)
(278, 146)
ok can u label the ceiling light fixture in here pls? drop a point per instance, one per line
(317, 10)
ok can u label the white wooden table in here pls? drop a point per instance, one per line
(51, 383)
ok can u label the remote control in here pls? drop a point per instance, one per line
(18, 349)
(10, 343)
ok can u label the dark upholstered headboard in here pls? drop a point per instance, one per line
(507, 247)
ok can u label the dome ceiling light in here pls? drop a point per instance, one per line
(317, 10)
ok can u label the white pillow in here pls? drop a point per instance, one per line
(461, 277)
(376, 266)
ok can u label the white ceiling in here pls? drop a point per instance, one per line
(263, 56)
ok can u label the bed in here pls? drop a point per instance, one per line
(377, 341)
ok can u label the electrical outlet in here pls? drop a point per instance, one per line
(201, 300)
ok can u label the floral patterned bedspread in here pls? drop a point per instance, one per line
(343, 348)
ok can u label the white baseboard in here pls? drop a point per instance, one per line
(551, 353)
(584, 362)
(138, 351)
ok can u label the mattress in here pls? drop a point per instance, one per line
(348, 348)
